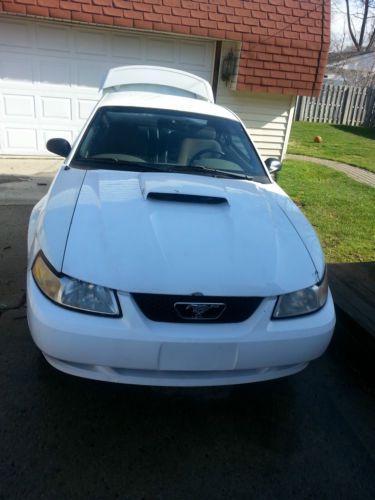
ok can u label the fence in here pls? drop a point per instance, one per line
(340, 104)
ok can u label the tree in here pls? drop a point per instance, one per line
(360, 16)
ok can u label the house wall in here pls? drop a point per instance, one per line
(284, 43)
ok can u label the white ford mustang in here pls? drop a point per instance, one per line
(165, 254)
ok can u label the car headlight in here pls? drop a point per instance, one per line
(73, 293)
(303, 301)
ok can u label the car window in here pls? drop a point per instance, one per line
(122, 136)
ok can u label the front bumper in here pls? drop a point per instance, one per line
(135, 350)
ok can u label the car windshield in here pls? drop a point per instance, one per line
(128, 138)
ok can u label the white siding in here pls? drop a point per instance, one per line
(266, 116)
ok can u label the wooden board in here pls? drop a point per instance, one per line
(353, 290)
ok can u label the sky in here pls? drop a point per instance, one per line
(339, 23)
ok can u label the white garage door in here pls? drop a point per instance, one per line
(50, 74)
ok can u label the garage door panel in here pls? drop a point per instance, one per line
(50, 74)
(17, 67)
(154, 48)
(55, 71)
(91, 74)
(85, 107)
(52, 39)
(15, 34)
(126, 46)
(56, 107)
(21, 139)
(18, 106)
(89, 42)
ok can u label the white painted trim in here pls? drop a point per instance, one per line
(289, 126)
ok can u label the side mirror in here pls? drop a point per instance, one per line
(273, 165)
(60, 147)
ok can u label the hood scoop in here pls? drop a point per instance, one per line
(183, 189)
(187, 198)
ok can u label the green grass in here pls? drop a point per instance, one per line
(352, 145)
(341, 210)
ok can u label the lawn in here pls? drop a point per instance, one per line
(341, 210)
(352, 145)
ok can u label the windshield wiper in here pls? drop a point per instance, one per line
(123, 164)
(208, 170)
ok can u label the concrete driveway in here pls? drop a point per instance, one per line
(308, 436)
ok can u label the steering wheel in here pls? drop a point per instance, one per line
(214, 152)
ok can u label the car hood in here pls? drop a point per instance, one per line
(134, 232)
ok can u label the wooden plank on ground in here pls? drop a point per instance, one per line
(353, 290)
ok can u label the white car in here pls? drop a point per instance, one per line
(165, 254)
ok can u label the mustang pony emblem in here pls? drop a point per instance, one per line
(199, 311)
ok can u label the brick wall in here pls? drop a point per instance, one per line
(284, 42)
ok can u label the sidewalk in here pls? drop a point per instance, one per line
(356, 173)
(23, 181)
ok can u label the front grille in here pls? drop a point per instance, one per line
(162, 308)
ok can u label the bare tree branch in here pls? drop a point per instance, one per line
(352, 34)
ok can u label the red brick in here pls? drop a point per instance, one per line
(137, 16)
(249, 21)
(300, 44)
(142, 25)
(225, 26)
(199, 14)
(34, 10)
(288, 51)
(143, 7)
(162, 9)
(185, 30)
(207, 7)
(49, 3)
(108, 3)
(284, 11)
(162, 27)
(179, 12)
(186, 4)
(235, 3)
(262, 72)
(205, 23)
(287, 67)
(214, 16)
(262, 56)
(123, 22)
(99, 19)
(188, 21)
(70, 6)
(121, 4)
(29, 2)
(241, 28)
(283, 83)
(264, 7)
(110, 11)
(259, 15)
(84, 17)
(307, 78)
(198, 31)
(92, 9)
(172, 3)
(151, 16)
(291, 34)
(61, 14)
(225, 10)
(13, 7)
(218, 33)
(253, 80)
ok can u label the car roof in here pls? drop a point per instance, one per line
(142, 99)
